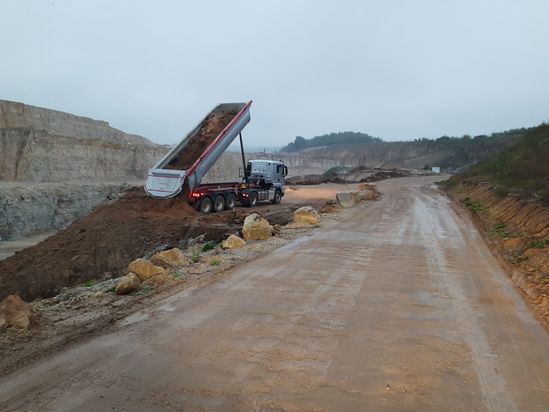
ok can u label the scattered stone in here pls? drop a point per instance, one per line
(308, 215)
(127, 284)
(15, 312)
(159, 280)
(145, 269)
(329, 207)
(170, 259)
(367, 192)
(256, 228)
(233, 242)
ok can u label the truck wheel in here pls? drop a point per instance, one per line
(205, 205)
(277, 197)
(252, 199)
(219, 203)
(231, 200)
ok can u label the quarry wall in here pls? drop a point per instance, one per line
(27, 209)
(41, 145)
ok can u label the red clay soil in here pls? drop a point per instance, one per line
(112, 235)
(210, 129)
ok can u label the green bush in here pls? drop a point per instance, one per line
(210, 245)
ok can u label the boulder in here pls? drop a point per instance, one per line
(233, 242)
(368, 191)
(127, 284)
(345, 199)
(15, 312)
(256, 228)
(159, 280)
(170, 258)
(308, 215)
(145, 269)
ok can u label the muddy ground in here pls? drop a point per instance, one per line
(92, 307)
(398, 305)
(102, 243)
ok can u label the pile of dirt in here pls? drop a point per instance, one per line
(114, 234)
(348, 176)
(209, 130)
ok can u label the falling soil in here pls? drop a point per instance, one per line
(114, 234)
(209, 130)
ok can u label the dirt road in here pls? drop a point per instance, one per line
(399, 305)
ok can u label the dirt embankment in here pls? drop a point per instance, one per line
(209, 130)
(112, 235)
(519, 231)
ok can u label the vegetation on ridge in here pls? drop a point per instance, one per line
(521, 169)
(331, 139)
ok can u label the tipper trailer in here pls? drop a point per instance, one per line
(184, 166)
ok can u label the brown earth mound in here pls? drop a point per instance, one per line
(210, 129)
(111, 236)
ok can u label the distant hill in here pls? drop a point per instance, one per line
(359, 149)
(332, 139)
(521, 169)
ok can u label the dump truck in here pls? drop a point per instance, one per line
(182, 169)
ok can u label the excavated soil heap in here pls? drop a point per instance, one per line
(209, 130)
(111, 236)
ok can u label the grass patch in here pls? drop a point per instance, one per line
(500, 230)
(179, 275)
(538, 244)
(195, 257)
(215, 262)
(143, 290)
(473, 206)
(90, 283)
(210, 245)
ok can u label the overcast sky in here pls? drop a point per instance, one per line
(393, 69)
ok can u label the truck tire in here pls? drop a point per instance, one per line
(219, 203)
(277, 197)
(205, 205)
(231, 201)
(252, 199)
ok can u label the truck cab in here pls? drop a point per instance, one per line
(267, 174)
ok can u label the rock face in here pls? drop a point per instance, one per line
(15, 312)
(127, 284)
(42, 145)
(308, 215)
(145, 269)
(256, 228)
(26, 209)
(233, 242)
